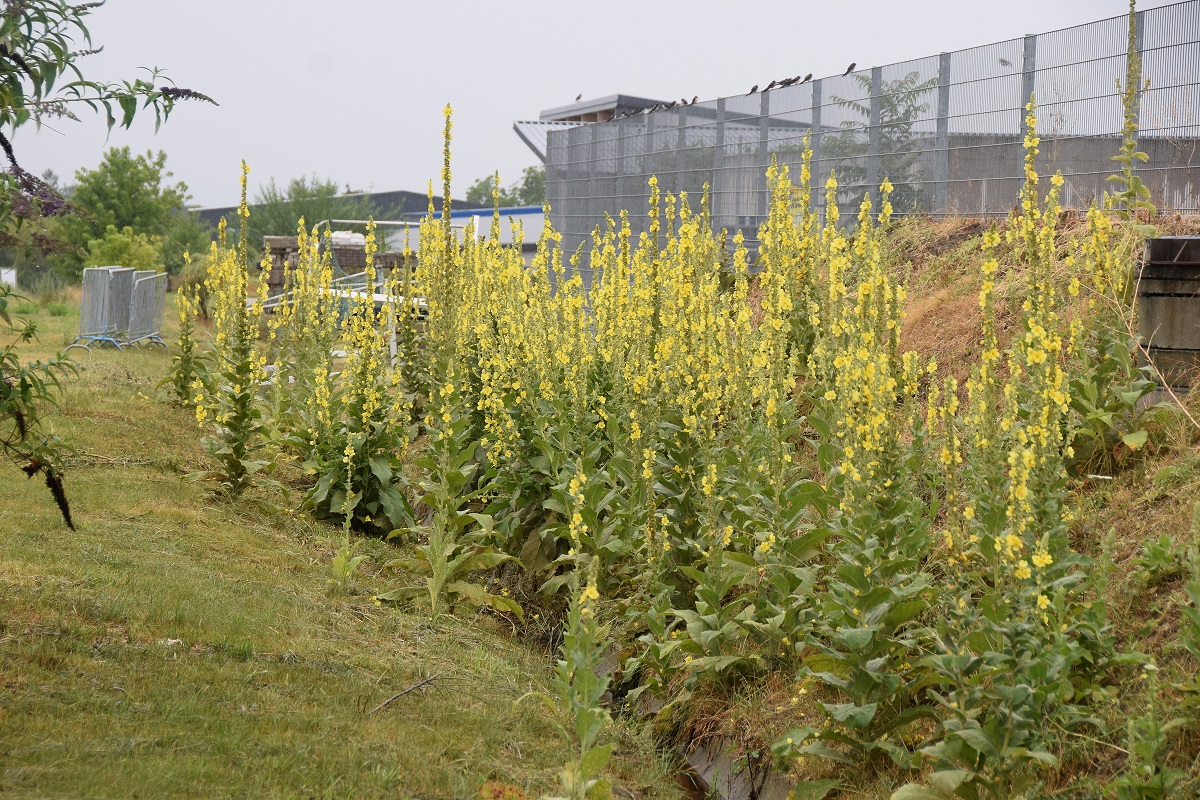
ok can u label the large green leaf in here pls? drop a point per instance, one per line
(915, 791)
(851, 715)
(814, 790)
(856, 638)
(594, 761)
(978, 740)
(1135, 440)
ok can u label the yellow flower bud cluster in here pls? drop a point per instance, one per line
(856, 355)
(1014, 458)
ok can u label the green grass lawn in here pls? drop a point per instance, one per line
(179, 646)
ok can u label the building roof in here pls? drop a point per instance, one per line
(613, 103)
(386, 204)
(600, 109)
(533, 133)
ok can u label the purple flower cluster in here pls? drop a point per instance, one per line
(39, 194)
(31, 198)
(175, 93)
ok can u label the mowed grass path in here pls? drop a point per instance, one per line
(179, 646)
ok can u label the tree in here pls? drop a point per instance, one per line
(529, 191)
(185, 234)
(901, 105)
(132, 191)
(276, 210)
(123, 248)
(129, 191)
(40, 77)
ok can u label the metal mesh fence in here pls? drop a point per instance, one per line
(121, 306)
(116, 311)
(146, 304)
(93, 303)
(947, 130)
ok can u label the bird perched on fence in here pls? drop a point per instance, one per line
(753, 89)
(695, 97)
(849, 69)
(807, 78)
(669, 106)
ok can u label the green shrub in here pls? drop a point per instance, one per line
(123, 248)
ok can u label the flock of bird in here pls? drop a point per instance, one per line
(796, 81)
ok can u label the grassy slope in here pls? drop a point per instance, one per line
(177, 646)
(1152, 492)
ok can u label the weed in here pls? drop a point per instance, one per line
(1160, 560)
(1145, 776)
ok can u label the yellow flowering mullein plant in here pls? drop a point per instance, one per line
(1018, 637)
(358, 456)
(302, 331)
(871, 429)
(188, 366)
(231, 409)
(1109, 385)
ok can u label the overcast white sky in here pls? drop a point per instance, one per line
(353, 90)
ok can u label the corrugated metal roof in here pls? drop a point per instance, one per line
(533, 133)
(616, 103)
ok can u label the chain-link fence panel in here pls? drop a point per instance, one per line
(947, 130)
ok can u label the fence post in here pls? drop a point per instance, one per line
(1140, 47)
(650, 162)
(873, 136)
(622, 127)
(714, 191)
(680, 151)
(816, 198)
(1028, 70)
(941, 170)
(764, 152)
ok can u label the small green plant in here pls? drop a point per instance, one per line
(58, 309)
(188, 375)
(993, 704)
(452, 549)
(344, 563)
(713, 646)
(1145, 776)
(580, 688)
(1106, 393)
(1160, 560)
(25, 308)
(654, 664)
